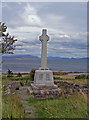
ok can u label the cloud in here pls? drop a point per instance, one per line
(59, 44)
(30, 16)
(65, 25)
(52, 21)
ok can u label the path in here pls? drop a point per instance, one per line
(24, 96)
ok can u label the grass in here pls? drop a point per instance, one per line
(73, 80)
(22, 79)
(12, 106)
(15, 78)
(71, 107)
(74, 106)
(63, 88)
(65, 78)
(57, 78)
(82, 77)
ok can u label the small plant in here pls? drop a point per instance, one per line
(63, 96)
(9, 73)
(82, 77)
(19, 74)
(32, 73)
(57, 78)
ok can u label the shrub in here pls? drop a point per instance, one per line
(82, 77)
(88, 76)
(32, 73)
(9, 73)
(19, 74)
(57, 78)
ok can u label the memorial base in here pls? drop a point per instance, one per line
(44, 92)
(43, 78)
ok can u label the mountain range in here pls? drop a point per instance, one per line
(31, 56)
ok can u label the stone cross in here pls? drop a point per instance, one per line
(43, 76)
(44, 38)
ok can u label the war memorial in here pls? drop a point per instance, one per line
(44, 76)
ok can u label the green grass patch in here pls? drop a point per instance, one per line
(23, 79)
(82, 77)
(70, 107)
(57, 78)
(12, 106)
(76, 81)
(11, 103)
(74, 106)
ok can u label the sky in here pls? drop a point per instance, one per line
(66, 24)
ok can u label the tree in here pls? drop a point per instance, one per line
(6, 41)
(19, 74)
(9, 73)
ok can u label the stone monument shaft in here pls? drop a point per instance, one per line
(44, 38)
(43, 76)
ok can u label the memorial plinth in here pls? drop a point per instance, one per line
(44, 76)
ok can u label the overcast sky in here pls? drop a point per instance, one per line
(66, 24)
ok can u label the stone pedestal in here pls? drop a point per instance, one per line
(43, 78)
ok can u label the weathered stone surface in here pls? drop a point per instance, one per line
(11, 87)
(44, 38)
(44, 87)
(45, 92)
(29, 90)
(73, 87)
(43, 77)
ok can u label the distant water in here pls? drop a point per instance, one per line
(70, 74)
(25, 65)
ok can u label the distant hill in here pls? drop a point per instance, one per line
(66, 58)
(31, 56)
(19, 56)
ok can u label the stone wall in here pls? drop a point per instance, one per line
(49, 92)
(70, 88)
(11, 87)
(73, 87)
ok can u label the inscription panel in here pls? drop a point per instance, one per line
(48, 77)
(40, 76)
